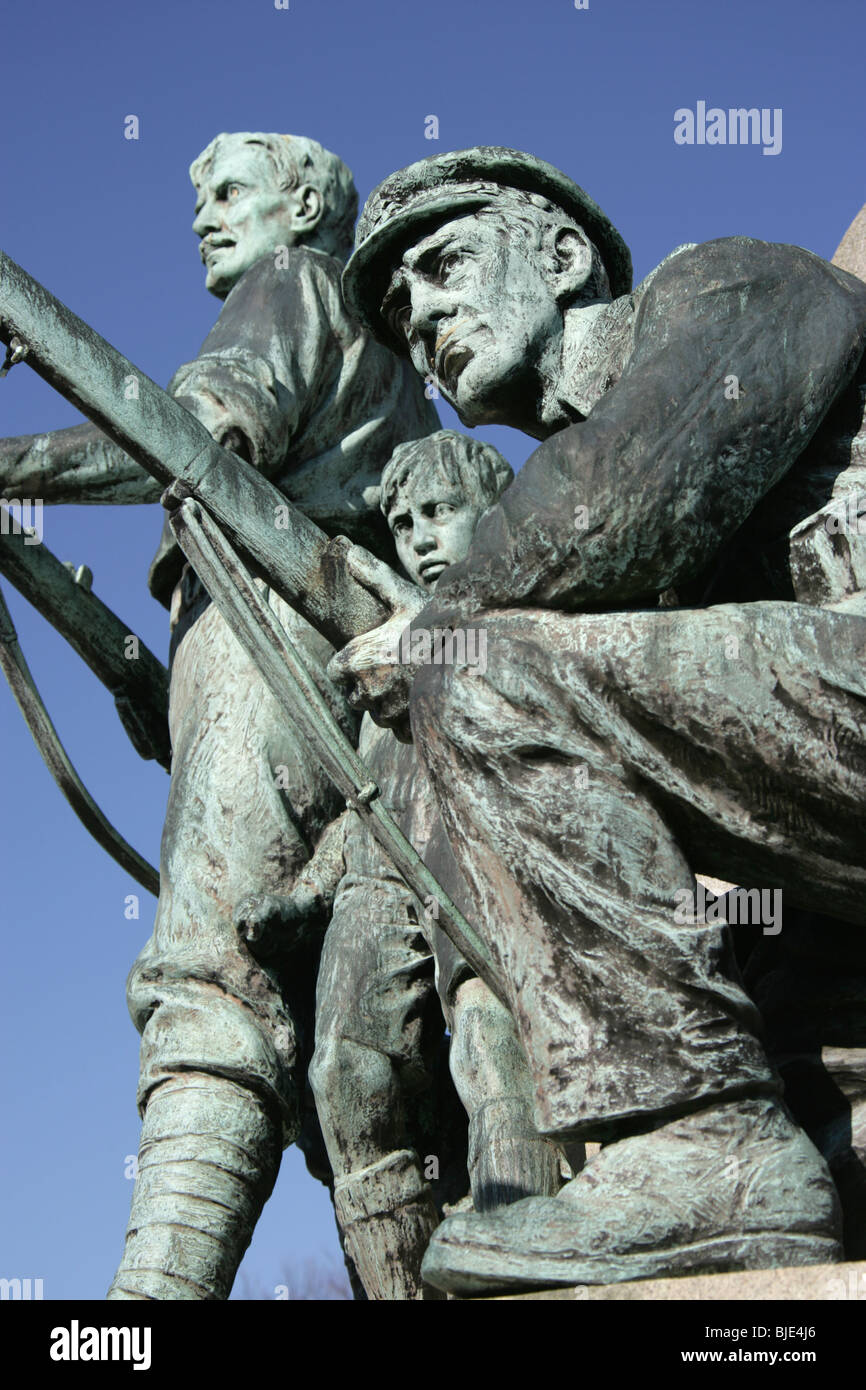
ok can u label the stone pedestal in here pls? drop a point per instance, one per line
(850, 254)
(805, 1283)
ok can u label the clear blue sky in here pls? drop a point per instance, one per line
(105, 224)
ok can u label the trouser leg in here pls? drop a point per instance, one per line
(508, 1158)
(385, 1207)
(221, 1055)
(582, 778)
(622, 1014)
(377, 1021)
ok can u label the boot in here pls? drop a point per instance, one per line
(387, 1216)
(208, 1159)
(738, 1186)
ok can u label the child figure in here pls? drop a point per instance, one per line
(379, 1023)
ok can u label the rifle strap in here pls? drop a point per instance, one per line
(57, 760)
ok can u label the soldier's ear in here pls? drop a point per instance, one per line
(308, 208)
(571, 262)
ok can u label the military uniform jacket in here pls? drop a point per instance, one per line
(728, 411)
(289, 381)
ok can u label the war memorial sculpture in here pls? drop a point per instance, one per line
(638, 661)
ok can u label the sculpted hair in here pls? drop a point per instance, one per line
(477, 469)
(535, 216)
(298, 160)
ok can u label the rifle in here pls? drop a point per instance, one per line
(139, 686)
(211, 490)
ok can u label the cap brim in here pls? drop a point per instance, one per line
(368, 271)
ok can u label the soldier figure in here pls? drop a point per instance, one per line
(674, 682)
(290, 382)
(378, 1019)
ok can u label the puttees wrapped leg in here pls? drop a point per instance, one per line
(208, 1159)
(223, 1046)
(387, 1215)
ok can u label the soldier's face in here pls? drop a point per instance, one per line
(478, 311)
(241, 214)
(432, 524)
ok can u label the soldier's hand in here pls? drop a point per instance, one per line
(398, 594)
(271, 925)
(372, 668)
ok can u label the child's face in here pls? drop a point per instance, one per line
(432, 524)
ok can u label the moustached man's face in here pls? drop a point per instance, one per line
(241, 214)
